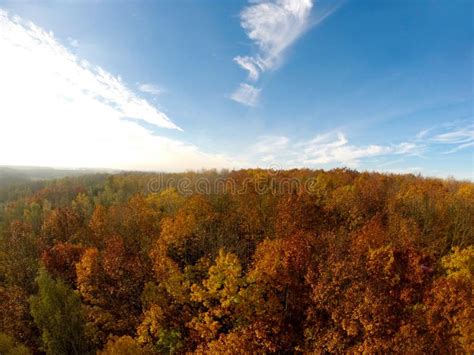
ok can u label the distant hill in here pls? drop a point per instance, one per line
(10, 175)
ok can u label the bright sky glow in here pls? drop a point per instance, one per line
(261, 83)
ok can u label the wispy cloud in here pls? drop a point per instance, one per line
(273, 26)
(460, 136)
(73, 42)
(251, 65)
(456, 135)
(271, 144)
(35, 58)
(329, 149)
(335, 148)
(246, 94)
(461, 147)
(58, 110)
(151, 89)
(332, 148)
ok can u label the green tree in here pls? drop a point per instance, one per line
(8, 346)
(57, 312)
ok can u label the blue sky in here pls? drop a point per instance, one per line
(371, 85)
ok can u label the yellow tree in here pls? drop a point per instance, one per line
(219, 297)
(450, 304)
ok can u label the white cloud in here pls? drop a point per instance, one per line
(246, 94)
(460, 136)
(273, 25)
(335, 148)
(420, 135)
(270, 144)
(457, 135)
(408, 148)
(331, 148)
(58, 110)
(251, 65)
(150, 89)
(73, 42)
(461, 147)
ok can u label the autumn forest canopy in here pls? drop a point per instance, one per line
(297, 261)
(236, 177)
